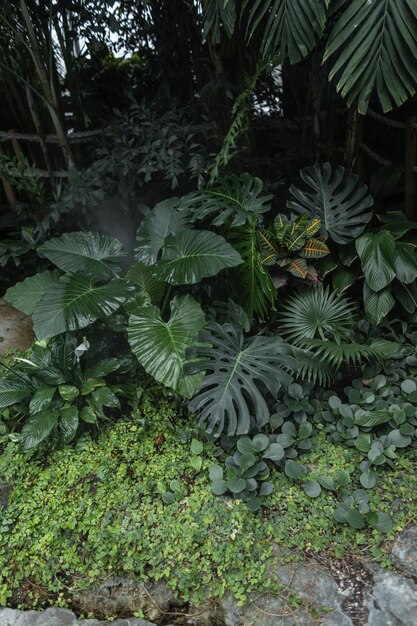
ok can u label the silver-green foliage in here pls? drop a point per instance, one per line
(237, 370)
(343, 205)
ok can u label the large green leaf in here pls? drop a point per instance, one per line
(68, 423)
(376, 252)
(343, 278)
(62, 350)
(75, 302)
(41, 399)
(37, 428)
(341, 202)
(26, 295)
(406, 295)
(290, 28)
(234, 368)
(405, 262)
(143, 276)
(376, 44)
(163, 220)
(192, 255)
(234, 198)
(13, 390)
(377, 303)
(252, 284)
(160, 346)
(89, 253)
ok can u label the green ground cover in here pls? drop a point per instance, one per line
(96, 508)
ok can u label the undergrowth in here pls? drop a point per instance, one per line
(96, 509)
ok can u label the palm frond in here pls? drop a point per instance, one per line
(376, 46)
(317, 314)
(290, 28)
(216, 13)
(334, 354)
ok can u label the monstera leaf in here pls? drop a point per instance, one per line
(89, 253)
(290, 28)
(234, 368)
(75, 302)
(234, 198)
(341, 202)
(160, 346)
(163, 220)
(375, 44)
(26, 295)
(192, 255)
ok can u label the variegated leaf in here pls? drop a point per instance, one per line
(281, 225)
(269, 254)
(314, 249)
(313, 227)
(298, 267)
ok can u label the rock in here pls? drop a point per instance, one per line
(9, 617)
(404, 551)
(16, 331)
(393, 600)
(124, 596)
(311, 582)
(269, 610)
(59, 617)
(132, 621)
(50, 617)
(5, 491)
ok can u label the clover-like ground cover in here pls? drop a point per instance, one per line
(96, 509)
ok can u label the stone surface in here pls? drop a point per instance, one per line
(404, 551)
(9, 617)
(266, 610)
(393, 601)
(59, 617)
(133, 621)
(387, 599)
(311, 582)
(5, 491)
(124, 596)
(49, 617)
(16, 332)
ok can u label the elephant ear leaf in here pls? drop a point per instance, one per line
(192, 255)
(143, 276)
(160, 346)
(25, 295)
(235, 368)
(90, 253)
(75, 302)
(163, 220)
(341, 202)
